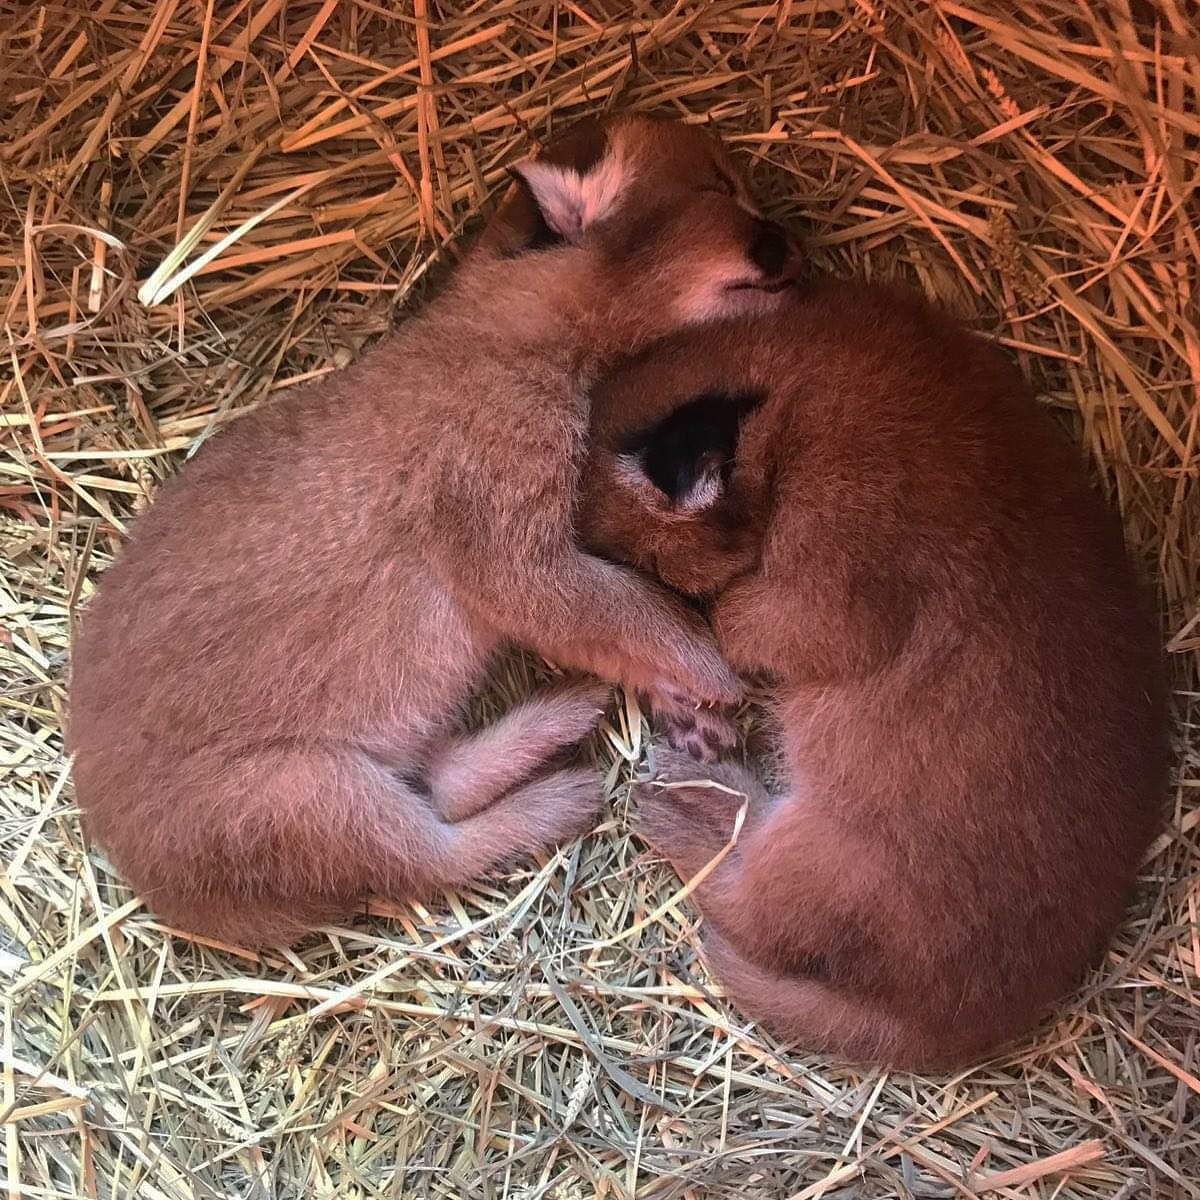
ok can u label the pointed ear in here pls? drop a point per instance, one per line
(692, 487)
(570, 202)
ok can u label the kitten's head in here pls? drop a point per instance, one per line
(663, 209)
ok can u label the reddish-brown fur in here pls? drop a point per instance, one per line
(967, 681)
(266, 687)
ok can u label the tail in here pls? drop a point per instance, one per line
(820, 1017)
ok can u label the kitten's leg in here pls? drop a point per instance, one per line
(800, 884)
(537, 815)
(789, 912)
(592, 615)
(471, 771)
(258, 850)
(704, 731)
(687, 811)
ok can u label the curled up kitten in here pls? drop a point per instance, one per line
(964, 674)
(266, 687)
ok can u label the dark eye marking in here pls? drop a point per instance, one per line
(581, 146)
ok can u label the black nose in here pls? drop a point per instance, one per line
(768, 247)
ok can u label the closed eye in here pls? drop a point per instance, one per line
(722, 185)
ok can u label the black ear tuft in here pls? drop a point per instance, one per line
(697, 439)
(581, 145)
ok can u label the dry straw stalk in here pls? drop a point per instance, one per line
(274, 180)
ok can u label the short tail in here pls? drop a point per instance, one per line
(816, 1016)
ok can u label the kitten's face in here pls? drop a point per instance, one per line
(665, 213)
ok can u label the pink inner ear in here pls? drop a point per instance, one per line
(600, 189)
(559, 194)
(628, 474)
(568, 202)
(707, 488)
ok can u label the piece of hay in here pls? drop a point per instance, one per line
(1032, 163)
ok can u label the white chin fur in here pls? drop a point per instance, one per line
(734, 302)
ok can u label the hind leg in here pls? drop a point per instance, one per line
(538, 815)
(687, 812)
(791, 914)
(259, 849)
(801, 890)
(472, 771)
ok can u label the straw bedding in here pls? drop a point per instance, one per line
(204, 204)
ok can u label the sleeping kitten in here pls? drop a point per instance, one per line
(266, 687)
(966, 677)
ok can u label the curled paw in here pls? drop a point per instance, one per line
(677, 774)
(703, 732)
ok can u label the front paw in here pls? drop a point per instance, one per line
(700, 672)
(704, 733)
(720, 685)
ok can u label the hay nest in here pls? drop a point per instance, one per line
(203, 205)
